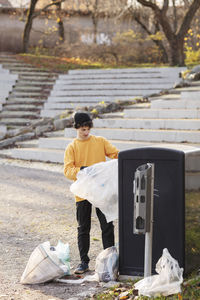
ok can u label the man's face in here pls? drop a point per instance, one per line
(83, 133)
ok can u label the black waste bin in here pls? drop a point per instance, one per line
(169, 208)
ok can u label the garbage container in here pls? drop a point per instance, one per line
(169, 208)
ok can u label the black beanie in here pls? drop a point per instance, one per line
(82, 119)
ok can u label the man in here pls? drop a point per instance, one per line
(86, 150)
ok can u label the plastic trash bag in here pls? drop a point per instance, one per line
(99, 185)
(106, 268)
(107, 263)
(47, 263)
(168, 281)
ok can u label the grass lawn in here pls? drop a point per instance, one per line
(63, 64)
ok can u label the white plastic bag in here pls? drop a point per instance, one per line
(106, 268)
(47, 263)
(168, 281)
(99, 185)
(107, 264)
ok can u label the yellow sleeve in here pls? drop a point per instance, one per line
(110, 150)
(70, 170)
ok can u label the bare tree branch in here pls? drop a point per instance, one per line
(148, 4)
(165, 6)
(36, 14)
(188, 18)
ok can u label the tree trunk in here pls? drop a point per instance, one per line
(177, 56)
(61, 30)
(28, 26)
(164, 56)
(95, 21)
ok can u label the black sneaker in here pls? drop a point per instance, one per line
(82, 268)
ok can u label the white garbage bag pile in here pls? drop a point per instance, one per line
(47, 263)
(167, 282)
(99, 185)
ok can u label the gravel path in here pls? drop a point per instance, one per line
(36, 205)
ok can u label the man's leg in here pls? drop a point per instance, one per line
(107, 230)
(83, 215)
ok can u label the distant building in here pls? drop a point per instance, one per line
(14, 3)
(5, 3)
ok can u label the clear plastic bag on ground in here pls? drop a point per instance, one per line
(99, 185)
(167, 282)
(47, 263)
(107, 264)
(106, 268)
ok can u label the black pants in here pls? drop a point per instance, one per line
(83, 215)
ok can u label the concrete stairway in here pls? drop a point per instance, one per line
(23, 101)
(168, 123)
(89, 87)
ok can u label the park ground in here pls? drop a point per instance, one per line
(37, 206)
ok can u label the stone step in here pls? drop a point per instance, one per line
(18, 101)
(38, 77)
(114, 115)
(91, 99)
(177, 124)
(56, 156)
(192, 151)
(3, 130)
(104, 92)
(19, 114)
(2, 99)
(58, 133)
(141, 76)
(27, 144)
(51, 77)
(23, 68)
(106, 81)
(22, 107)
(15, 64)
(51, 113)
(15, 122)
(190, 89)
(151, 113)
(27, 93)
(5, 92)
(169, 96)
(175, 104)
(194, 95)
(66, 105)
(8, 78)
(32, 73)
(62, 142)
(148, 135)
(169, 71)
(30, 82)
(35, 154)
(29, 89)
(107, 87)
(25, 96)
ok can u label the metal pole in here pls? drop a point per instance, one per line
(149, 235)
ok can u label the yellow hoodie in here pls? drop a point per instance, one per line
(86, 153)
